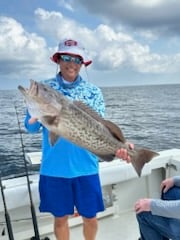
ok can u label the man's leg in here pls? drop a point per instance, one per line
(172, 194)
(61, 228)
(149, 226)
(157, 227)
(88, 202)
(90, 227)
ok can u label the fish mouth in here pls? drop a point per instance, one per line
(22, 90)
(33, 89)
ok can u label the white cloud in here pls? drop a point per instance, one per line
(16, 43)
(57, 26)
(66, 4)
(109, 34)
(26, 54)
(23, 54)
(148, 35)
(110, 49)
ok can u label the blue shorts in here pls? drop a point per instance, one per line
(60, 196)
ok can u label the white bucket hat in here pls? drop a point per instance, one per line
(69, 46)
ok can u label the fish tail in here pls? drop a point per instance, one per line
(140, 157)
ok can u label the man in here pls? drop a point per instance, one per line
(69, 174)
(159, 219)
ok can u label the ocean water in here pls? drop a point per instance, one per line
(149, 116)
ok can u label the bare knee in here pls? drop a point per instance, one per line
(61, 227)
(90, 226)
(90, 221)
(60, 220)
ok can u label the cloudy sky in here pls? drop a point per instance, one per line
(131, 42)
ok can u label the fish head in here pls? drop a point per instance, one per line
(41, 100)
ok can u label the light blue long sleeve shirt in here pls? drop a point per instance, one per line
(66, 159)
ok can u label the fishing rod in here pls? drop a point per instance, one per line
(33, 213)
(6, 213)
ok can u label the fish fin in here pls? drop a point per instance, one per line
(88, 110)
(106, 158)
(50, 119)
(53, 138)
(115, 130)
(140, 157)
(112, 127)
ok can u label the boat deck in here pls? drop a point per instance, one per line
(121, 188)
(116, 227)
(123, 227)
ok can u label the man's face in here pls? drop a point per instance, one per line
(70, 66)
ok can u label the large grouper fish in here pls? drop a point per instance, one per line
(81, 125)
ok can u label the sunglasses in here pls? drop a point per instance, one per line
(67, 58)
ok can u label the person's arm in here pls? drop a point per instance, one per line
(32, 127)
(176, 181)
(99, 106)
(169, 183)
(165, 208)
(122, 152)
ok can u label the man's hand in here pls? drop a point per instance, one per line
(32, 120)
(142, 205)
(123, 154)
(167, 184)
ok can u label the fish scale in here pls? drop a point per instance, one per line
(90, 132)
